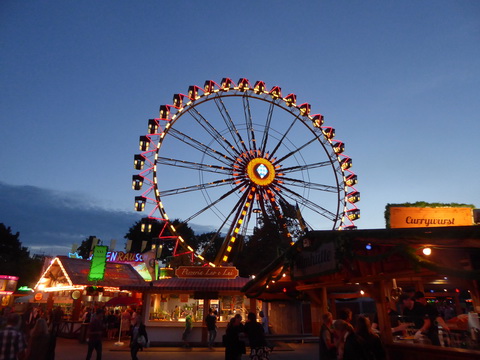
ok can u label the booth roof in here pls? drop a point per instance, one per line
(180, 284)
(116, 274)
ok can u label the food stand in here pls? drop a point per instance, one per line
(192, 292)
(65, 284)
(381, 264)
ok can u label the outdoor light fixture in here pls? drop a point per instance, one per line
(368, 246)
(137, 182)
(144, 143)
(427, 251)
(138, 162)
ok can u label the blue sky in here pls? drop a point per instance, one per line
(399, 81)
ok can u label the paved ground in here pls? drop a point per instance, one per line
(71, 349)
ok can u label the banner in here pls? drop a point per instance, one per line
(98, 263)
(315, 262)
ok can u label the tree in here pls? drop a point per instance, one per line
(85, 248)
(12, 253)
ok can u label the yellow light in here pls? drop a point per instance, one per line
(236, 230)
(225, 258)
(427, 251)
(362, 292)
(229, 248)
(255, 177)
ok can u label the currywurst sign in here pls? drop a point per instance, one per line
(406, 217)
(200, 272)
(316, 262)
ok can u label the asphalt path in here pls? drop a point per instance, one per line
(72, 349)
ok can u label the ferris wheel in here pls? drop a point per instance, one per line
(224, 155)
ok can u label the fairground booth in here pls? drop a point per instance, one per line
(191, 290)
(367, 271)
(65, 283)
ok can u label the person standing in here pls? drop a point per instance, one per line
(351, 346)
(416, 313)
(211, 321)
(95, 334)
(38, 342)
(234, 347)
(139, 338)
(12, 341)
(188, 330)
(328, 350)
(256, 338)
(373, 345)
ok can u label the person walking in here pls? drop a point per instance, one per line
(211, 321)
(12, 341)
(95, 334)
(38, 342)
(256, 338)
(139, 338)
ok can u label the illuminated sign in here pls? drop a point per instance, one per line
(415, 217)
(98, 264)
(115, 256)
(200, 272)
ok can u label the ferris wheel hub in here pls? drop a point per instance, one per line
(261, 171)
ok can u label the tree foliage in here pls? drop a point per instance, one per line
(12, 254)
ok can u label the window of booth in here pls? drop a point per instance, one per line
(175, 307)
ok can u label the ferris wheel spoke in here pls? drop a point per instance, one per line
(309, 184)
(307, 203)
(188, 140)
(213, 203)
(267, 128)
(293, 152)
(230, 124)
(284, 136)
(248, 119)
(194, 166)
(198, 187)
(304, 167)
(210, 129)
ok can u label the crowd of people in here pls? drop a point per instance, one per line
(33, 334)
(30, 336)
(341, 340)
(238, 334)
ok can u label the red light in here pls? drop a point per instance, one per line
(457, 290)
(284, 290)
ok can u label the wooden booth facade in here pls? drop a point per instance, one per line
(367, 270)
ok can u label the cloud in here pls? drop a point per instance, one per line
(51, 221)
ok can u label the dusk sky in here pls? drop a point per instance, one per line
(398, 80)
